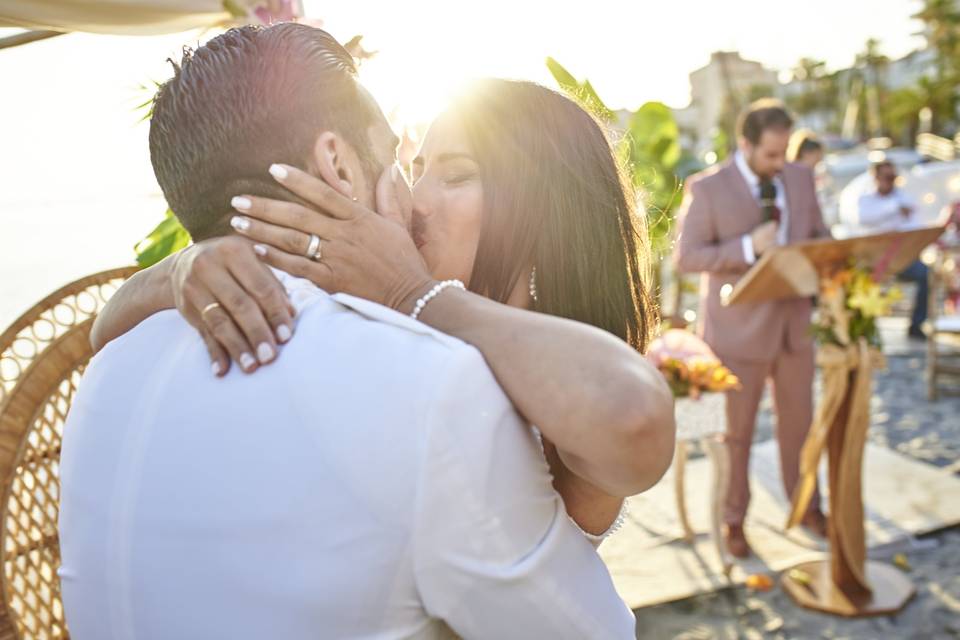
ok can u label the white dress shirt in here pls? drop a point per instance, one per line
(373, 482)
(878, 213)
(753, 183)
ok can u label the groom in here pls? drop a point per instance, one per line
(373, 482)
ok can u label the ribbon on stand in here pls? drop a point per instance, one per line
(840, 425)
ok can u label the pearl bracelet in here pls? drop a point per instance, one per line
(433, 293)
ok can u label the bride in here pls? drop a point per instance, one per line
(517, 193)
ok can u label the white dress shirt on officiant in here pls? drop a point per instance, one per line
(753, 184)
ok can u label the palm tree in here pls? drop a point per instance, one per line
(941, 19)
(874, 65)
(819, 89)
(809, 69)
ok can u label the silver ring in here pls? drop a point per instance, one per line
(314, 249)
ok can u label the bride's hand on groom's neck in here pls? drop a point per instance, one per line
(236, 303)
(223, 287)
(335, 241)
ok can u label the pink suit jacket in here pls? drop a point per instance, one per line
(717, 211)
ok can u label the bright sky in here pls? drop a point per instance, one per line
(632, 51)
(74, 165)
(71, 99)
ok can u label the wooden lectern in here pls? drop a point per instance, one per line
(846, 583)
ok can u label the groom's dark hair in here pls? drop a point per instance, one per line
(244, 100)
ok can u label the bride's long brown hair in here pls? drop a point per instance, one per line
(556, 198)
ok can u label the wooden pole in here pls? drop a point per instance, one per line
(846, 583)
(27, 37)
(845, 498)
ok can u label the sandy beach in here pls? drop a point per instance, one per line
(902, 419)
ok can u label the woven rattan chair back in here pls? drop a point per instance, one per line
(42, 356)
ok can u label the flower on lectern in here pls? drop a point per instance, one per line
(867, 297)
(850, 302)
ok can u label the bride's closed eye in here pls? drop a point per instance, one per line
(451, 178)
(459, 178)
(456, 169)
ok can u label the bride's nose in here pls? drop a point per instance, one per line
(421, 200)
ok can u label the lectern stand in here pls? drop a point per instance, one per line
(845, 583)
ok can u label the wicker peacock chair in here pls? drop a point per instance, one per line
(42, 356)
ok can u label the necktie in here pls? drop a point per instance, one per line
(768, 201)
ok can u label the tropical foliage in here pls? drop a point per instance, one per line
(864, 90)
(819, 87)
(649, 147)
(167, 238)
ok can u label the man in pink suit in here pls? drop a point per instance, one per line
(731, 214)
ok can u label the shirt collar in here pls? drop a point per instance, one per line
(752, 180)
(293, 283)
(302, 292)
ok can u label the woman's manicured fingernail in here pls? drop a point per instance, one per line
(260, 250)
(265, 352)
(240, 223)
(284, 333)
(247, 362)
(217, 368)
(278, 171)
(239, 202)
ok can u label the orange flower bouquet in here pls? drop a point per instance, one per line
(689, 365)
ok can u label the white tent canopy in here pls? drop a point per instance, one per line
(140, 17)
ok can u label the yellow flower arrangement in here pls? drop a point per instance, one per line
(868, 298)
(850, 302)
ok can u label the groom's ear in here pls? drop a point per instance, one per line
(336, 163)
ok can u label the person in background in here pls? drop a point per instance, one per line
(806, 149)
(888, 208)
(731, 215)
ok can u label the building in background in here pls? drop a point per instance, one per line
(907, 71)
(727, 81)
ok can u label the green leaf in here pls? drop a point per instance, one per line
(563, 77)
(167, 238)
(149, 92)
(582, 92)
(589, 96)
(656, 136)
(649, 151)
(235, 9)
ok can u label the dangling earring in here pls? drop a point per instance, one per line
(533, 285)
